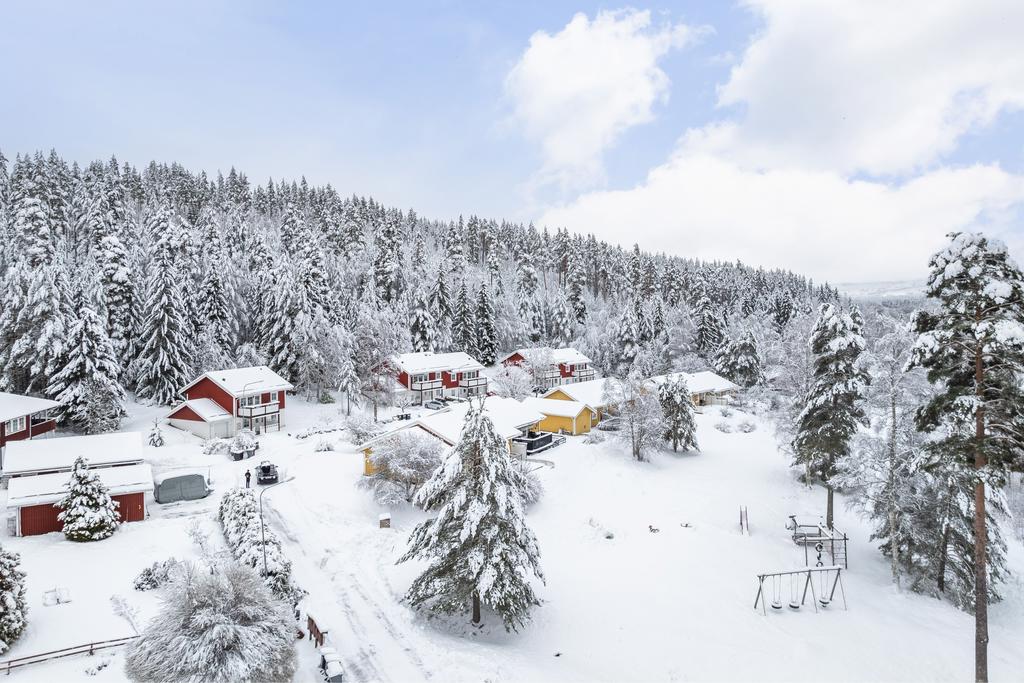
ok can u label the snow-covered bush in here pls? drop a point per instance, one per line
(533, 488)
(724, 427)
(253, 543)
(87, 510)
(747, 426)
(155, 575)
(12, 599)
(215, 446)
(401, 464)
(362, 427)
(244, 442)
(156, 437)
(725, 412)
(223, 625)
(593, 437)
(323, 445)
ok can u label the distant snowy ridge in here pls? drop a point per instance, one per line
(895, 289)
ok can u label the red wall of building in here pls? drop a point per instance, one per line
(185, 413)
(565, 370)
(132, 506)
(514, 359)
(42, 519)
(280, 398)
(403, 378)
(206, 388)
(450, 380)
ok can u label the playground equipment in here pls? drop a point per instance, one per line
(821, 539)
(744, 521)
(800, 581)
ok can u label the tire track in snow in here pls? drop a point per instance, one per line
(373, 636)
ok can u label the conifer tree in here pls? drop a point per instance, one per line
(478, 547)
(832, 409)
(739, 361)
(118, 291)
(87, 385)
(13, 609)
(973, 348)
(166, 352)
(422, 324)
(463, 324)
(87, 510)
(627, 338)
(708, 334)
(677, 409)
(287, 330)
(486, 334)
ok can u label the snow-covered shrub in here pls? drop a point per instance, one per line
(533, 488)
(215, 446)
(401, 464)
(156, 437)
(244, 442)
(361, 428)
(155, 575)
(747, 426)
(223, 625)
(12, 599)
(87, 510)
(725, 412)
(593, 437)
(253, 543)
(724, 427)
(323, 445)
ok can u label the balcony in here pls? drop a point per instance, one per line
(425, 385)
(546, 374)
(467, 383)
(260, 410)
(584, 374)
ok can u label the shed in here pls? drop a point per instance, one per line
(203, 417)
(172, 487)
(561, 416)
(33, 498)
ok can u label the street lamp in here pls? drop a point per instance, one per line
(263, 534)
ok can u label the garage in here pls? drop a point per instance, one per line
(203, 417)
(33, 498)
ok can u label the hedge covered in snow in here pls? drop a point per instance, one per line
(239, 516)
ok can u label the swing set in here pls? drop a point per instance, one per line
(800, 581)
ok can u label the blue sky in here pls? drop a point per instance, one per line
(413, 103)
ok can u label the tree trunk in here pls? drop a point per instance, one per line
(894, 546)
(943, 554)
(476, 608)
(980, 531)
(829, 506)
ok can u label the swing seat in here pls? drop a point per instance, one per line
(776, 604)
(824, 602)
(793, 604)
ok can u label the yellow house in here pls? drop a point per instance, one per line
(563, 416)
(590, 394)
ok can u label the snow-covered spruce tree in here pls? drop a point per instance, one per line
(677, 411)
(13, 609)
(973, 347)
(116, 281)
(709, 334)
(832, 409)
(739, 361)
(401, 465)
(486, 334)
(156, 437)
(479, 547)
(287, 325)
(463, 324)
(87, 386)
(87, 511)
(421, 324)
(166, 352)
(221, 624)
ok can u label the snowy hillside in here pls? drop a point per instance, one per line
(621, 602)
(895, 289)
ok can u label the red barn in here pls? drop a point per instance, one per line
(219, 403)
(23, 417)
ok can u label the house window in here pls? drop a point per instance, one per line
(272, 419)
(250, 401)
(471, 374)
(422, 377)
(15, 425)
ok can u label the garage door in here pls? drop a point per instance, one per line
(39, 519)
(132, 507)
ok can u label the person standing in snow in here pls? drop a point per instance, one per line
(248, 476)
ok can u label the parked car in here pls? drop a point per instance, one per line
(434, 405)
(266, 473)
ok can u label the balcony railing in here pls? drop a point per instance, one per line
(473, 382)
(257, 411)
(584, 373)
(425, 385)
(548, 373)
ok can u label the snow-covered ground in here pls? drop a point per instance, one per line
(671, 605)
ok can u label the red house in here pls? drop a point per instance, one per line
(23, 417)
(219, 403)
(552, 367)
(428, 376)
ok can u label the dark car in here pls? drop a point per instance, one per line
(266, 473)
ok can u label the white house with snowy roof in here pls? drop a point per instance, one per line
(221, 402)
(706, 387)
(552, 367)
(427, 375)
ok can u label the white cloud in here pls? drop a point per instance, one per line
(826, 95)
(576, 91)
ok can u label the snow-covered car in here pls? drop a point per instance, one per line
(434, 405)
(266, 473)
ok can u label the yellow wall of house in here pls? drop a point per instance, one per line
(558, 423)
(559, 395)
(368, 468)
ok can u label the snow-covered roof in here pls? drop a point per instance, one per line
(59, 453)
(552, 406)
(254, 380)
(567, 355)
(206, 408)
(426, 361)
(704, 382)
(49, 488)
(161, 477)
(510, 418)
(15, 405)
(590, 392)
